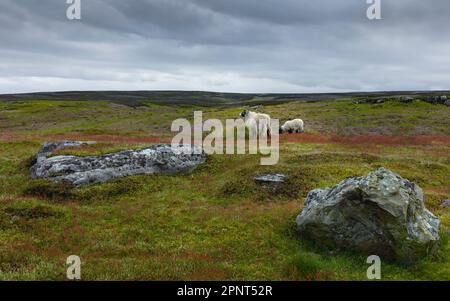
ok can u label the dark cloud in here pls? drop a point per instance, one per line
(224, 45)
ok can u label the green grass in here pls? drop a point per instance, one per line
(215, 223)
(342, 117)
(392, 117)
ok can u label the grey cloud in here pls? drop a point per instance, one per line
(234, 45)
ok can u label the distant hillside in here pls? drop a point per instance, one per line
(135, 98)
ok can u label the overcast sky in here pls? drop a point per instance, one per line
(224, 45)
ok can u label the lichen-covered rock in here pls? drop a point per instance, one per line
(380, 214)
(275, 183)
(97, 169)
(271, 179)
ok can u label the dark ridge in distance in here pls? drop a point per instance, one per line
(136, 98)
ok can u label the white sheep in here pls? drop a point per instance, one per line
(256, 122)
(293, 126)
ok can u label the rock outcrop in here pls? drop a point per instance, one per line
(380, 214)
(97, 169)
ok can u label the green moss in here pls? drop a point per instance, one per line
(49, 190)
(29, 213)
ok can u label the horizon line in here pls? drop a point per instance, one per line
(228, 92)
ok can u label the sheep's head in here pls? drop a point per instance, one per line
(281, 130)
(244, 113)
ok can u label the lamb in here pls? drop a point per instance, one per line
(256, 122)
(293, 126)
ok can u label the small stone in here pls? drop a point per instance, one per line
(332, 253)
(271, 179)
(445, 203)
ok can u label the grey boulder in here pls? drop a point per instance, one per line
(158, 159)
(379, 214)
